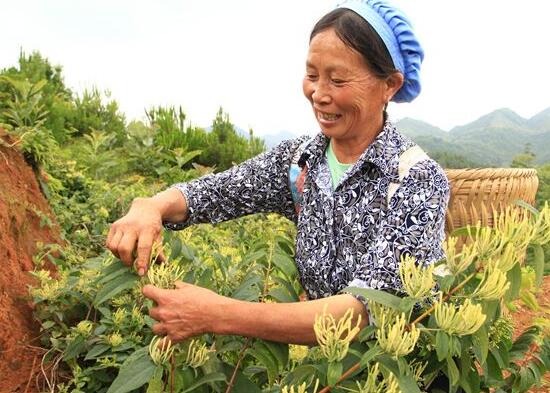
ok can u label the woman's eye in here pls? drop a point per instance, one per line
(311, 77)
(338, 81)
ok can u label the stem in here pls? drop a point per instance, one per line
(234, 375)
(356, 366)
(172, 372)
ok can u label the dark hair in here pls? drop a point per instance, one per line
(359, 35)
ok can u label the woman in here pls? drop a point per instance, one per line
(365, 194)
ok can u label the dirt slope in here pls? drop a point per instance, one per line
(20, 230)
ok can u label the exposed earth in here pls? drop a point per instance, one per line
(22, 206)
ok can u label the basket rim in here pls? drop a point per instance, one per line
(490, 173)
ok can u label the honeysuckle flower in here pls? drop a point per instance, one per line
(334, 337)
(119, 316)
(297, 352)
(417, 280)
(465, 320)
(392, 386)
(197, 354)
(164, 275)
(372, 384)
(493, 285)
(115, 339)
(160, 350)
(507, 259)
(137, 316)
(541, 227)
(487, 242)
(84, 328)
(378, 310)
(458, 262)
(300, 389)
(515, 228)
(397, 339)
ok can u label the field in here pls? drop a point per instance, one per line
(74, 318)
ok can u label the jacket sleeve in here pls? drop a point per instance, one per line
(258, 185)
(414, 224)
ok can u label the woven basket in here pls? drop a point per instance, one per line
(476, 193)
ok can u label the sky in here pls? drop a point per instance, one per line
(248, 56)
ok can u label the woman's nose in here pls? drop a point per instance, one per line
(320, 94)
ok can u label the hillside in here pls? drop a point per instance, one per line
(492, 140)
(21, 209)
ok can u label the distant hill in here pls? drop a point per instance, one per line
(492, 140)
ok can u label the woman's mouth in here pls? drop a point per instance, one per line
(327, 117)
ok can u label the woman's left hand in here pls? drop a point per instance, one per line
(183, 312)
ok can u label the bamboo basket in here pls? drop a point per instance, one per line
(477, 193)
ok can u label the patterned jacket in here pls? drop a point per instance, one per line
(348, 236)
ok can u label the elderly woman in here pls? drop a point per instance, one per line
(361, 194)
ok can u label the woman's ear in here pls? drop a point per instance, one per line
(393, 84)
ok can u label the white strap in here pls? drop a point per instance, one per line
(407, 160)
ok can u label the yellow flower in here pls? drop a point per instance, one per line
(298, 352)
(417, 281)
(115, 339)
(371, 385)
(458, 262)
(542, 226)
(300, 389)
(160, 350)
(396, 339)
(515, 228)
(506, 260)
(164, 275)
(466, 320)
(378, 310)
(119, 316)
(486, 241)
(197, 354)
(84, 328)
(334, 337)
(493, 285)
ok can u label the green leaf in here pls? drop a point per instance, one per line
(334, 372)
(249, 288)
(156, 383)
(538, 263)
(481, 344)
(112, 271)
(442, 345)
(135, 372)
(514, 276)
(407, 303)
(384, 298)
(285, 264)
(176, 246)
(262, 354)
(75, 347)
(208, 378)
(279, 352)
(453, 373)
(369, 355)
(114, 287)
(407, 384)
(96, 350)
(241, 384)
(366, 333)
(288, 286)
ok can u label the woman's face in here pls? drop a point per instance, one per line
(347, 98)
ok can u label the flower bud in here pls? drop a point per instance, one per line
(493, 285)
(458, 262)
(396, 339)
(160, 350)
(197, 354)
(334, 337)
(417, 281)
(464, 321)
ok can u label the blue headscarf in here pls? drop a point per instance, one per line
(396, 32)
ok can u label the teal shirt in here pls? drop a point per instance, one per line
(337, 169)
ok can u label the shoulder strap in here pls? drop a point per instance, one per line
(409, 158)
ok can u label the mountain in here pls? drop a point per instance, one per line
(492, 140)
(273, 139)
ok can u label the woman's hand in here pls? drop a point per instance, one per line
(136, 233)
(183, 312)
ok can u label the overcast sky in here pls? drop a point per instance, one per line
(248, 55)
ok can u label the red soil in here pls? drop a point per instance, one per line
(20, 230)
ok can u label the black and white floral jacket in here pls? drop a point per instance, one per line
(353, 235)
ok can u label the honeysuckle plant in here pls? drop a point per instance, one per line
(446, 331)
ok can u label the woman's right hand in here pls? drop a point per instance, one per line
(132, 237)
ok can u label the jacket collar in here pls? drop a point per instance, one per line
(383, 152)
